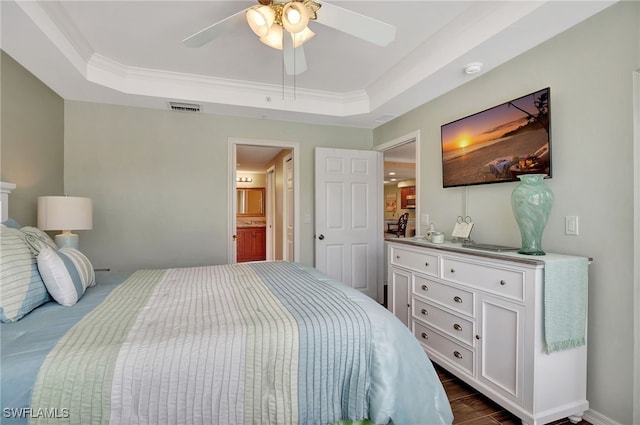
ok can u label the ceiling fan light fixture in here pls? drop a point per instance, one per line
(260, 19)
(295, 17)
(274, 37)
(302, 37)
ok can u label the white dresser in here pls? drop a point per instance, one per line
(479, 315)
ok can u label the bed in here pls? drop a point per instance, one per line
(251, 343)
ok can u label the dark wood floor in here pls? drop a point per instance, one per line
(472, 408)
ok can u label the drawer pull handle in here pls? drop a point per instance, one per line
(453, 270)
(397, 257)
(424, 312)
(457, 299)
(457, 327)
(424, 335)
(503, 282)
(425, 287)
(426, 264)
(457, 354)
(478, 337)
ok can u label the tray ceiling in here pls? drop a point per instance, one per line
(130, 53)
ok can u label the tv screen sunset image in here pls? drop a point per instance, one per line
(498, 144)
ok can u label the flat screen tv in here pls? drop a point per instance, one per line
(498, 144)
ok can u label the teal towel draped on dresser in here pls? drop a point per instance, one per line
(565, 301)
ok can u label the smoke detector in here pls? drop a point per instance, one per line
(473, 68)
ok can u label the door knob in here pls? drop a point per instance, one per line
(321, 237)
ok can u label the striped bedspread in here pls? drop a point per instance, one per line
(253, 343)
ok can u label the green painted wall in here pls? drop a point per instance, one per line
(159, 180)
(590, 71)
(31, 139)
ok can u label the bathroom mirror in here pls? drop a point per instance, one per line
(251, 201)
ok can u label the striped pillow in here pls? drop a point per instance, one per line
(21, 287)
(37, 239)
(66, 273)
(82, 265)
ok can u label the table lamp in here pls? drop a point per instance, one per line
(65, 213)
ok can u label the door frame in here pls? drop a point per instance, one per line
(232, 143)
(407, 138)
(271, 212)
(286, 204)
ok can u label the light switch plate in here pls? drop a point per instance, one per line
(571, 225)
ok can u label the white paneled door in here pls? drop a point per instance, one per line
(348, 233)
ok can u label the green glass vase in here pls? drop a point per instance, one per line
(531, 201)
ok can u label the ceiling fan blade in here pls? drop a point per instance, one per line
(356, 24)
(206, 35)
(295, 61)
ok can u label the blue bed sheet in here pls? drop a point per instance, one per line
(26, 343)
(403, 390)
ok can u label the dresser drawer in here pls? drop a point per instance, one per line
(455, 326)
(456, 354)
(418, 261)
(487, 277)
(454, 298)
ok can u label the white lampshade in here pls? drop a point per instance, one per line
(295, 17)
(260, 19)
(65, 213)
(274, 37)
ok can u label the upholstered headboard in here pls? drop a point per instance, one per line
(5, 190)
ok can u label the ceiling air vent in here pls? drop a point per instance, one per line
(184, 107)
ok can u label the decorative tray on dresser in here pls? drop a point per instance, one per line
(481, 316)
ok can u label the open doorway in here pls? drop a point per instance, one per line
(400, 188)
(258, 186)
(401, 192)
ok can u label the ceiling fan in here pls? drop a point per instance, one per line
(284, 26)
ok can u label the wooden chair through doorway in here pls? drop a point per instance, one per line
(399, 228)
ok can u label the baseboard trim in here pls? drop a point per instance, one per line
(597, 418)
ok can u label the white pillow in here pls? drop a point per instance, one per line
(66, 273)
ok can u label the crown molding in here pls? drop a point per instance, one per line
(46, 41)
(54, 22)
(174, 85)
